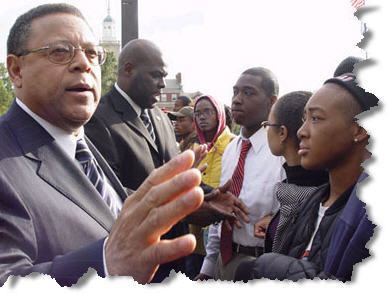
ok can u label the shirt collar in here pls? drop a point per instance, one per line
(66, 141)
(258, 139)
(135, 106)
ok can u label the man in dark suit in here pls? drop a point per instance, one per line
(59, 199)
(117, 128)
(134, 136)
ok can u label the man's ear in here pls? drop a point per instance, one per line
(129, 68)
(14, 70)
(359, 133)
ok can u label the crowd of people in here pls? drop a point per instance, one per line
(115, 184)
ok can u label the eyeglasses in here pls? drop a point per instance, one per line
(62, 52)
(206, 113)
(266, 124)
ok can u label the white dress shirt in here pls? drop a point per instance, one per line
(262, 171)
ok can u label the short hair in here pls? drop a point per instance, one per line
(289, 109)
(348, 82)
(186, 101)
(269, 81)
(20, 31)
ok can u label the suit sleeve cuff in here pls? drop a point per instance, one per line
(68, 268)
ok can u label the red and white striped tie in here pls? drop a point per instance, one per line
(235, 188)
(357, 3)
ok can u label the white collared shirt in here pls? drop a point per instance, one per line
(66, 141)
(262, 171)
(135, 106)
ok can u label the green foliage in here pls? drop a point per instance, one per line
(236, 128)
(6, 94)
(108, 73)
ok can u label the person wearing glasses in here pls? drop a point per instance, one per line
(59, 199)
(284, 120)
(210, 124)
(211, 130)
(329, 234)
(253, 171)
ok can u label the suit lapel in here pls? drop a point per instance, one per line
(130, 117)
(57, 169)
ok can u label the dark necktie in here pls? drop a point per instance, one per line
(147, 123)
(235, 188)
(95, 175)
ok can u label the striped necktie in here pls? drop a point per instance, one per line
(147, 123)
(235, 188)
(95, 175)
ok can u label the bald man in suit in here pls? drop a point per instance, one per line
(132, 146)
(118, 129)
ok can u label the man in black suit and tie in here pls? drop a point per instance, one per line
(134, 136)
(59, 199)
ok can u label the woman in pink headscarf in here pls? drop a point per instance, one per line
(210, 125)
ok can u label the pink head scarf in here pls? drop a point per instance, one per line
(220, 110)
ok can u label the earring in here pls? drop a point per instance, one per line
(355, 140)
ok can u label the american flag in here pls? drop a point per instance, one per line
(357, 3)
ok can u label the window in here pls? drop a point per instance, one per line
(174, 97)
(164, 98)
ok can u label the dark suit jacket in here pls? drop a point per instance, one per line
(125, 143)
(52, 220)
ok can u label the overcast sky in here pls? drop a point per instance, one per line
(212, 42)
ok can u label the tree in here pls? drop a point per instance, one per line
(6, 93)
(108, 73)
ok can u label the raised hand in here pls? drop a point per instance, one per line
(169, 194)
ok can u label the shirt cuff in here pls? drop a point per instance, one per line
(103, 258)
(208, 267)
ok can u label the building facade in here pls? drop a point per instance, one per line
(170, 93)
(109, 35)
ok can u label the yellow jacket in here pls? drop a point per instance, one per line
(212, 174)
